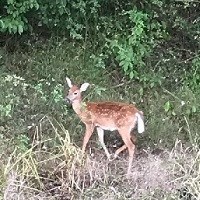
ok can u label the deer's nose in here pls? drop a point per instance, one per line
(67, 100)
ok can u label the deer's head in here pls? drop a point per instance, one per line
(74, 93)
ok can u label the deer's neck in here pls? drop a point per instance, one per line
(79, 106)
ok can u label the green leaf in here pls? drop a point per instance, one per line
(152, 84)
(130, 53)
(141, 91)
(173, 113)
(8, 110)
(131, 75)
(2, 24)
(10, 1)
(37, 6)
(31, 5)
(194, 109)
(122, 63)
(20, 29)
(14, 29)
(167, 106)
(125, 65)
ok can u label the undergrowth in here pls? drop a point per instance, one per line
(41, 136)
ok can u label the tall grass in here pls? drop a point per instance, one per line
(41, 135)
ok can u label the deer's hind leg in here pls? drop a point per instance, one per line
(126, 137)
(118, 151)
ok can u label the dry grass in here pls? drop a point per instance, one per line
(61, 172)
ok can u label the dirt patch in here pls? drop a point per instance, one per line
(150, 173)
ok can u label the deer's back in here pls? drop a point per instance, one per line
(110, 115)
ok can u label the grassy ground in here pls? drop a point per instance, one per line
(41, 136)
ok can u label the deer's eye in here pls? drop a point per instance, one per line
(75, 93)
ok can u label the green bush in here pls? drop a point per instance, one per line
(132, 48)
(13, 18)
(22, 104)
(62, 15)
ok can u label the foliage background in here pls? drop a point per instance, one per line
(132, 51)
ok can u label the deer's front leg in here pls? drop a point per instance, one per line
(88, 133)
(100, 132)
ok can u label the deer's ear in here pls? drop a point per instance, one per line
(69, 83)
(84, 87)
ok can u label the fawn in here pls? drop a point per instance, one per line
(106, 116)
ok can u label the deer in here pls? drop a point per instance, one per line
(106, 115)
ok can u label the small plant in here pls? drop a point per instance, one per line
(193, 76)
(99, 60)
(10, 95)
(132, 48)
(57, 93)
(22, 143)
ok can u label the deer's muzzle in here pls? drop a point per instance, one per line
(68, 101)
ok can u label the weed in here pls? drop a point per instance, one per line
(40, 134)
